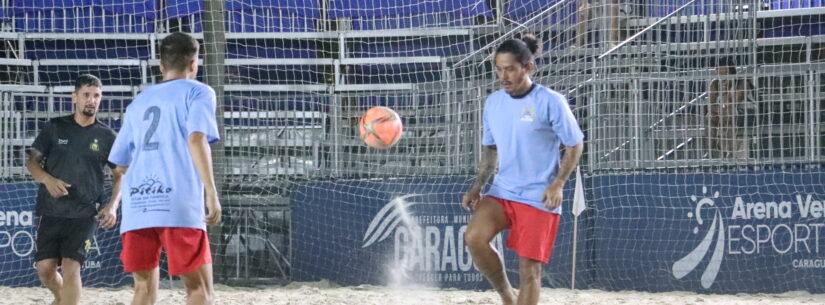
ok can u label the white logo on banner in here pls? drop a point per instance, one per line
(426, 248)
(780, 226)
(14, 234)
(387, 219)
(687, 264)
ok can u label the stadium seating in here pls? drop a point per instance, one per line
(419, 72)
(270, 49)
(250, 15)
(794, 26)
(395, 73)
(249, 101)
(660, 8)
(385, 14)
(424, 46)
(87, 49)
(272, 15)
(83, 16)
(381, 56)
(791, 4)
(522, 10)
(64, 75)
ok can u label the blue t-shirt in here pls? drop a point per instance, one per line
(527, 132)
(162, 187)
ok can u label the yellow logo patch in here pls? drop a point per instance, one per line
(527, 114)
(94, 146)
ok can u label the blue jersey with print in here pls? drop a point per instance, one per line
(527, 132)
(162, 187)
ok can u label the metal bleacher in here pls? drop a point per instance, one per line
(299, 72)
(778, 49)
(288, 64)
(779, 46)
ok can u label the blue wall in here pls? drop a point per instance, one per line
(768, 231)
(17, 229)
(716, 233)
(762, 232)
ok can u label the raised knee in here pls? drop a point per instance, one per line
(475, 240)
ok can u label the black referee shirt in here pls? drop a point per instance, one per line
(76, 155)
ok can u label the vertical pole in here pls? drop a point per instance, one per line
(500, 13)
(214, 42)
(335, 133)
(575, 242)
(637, 126)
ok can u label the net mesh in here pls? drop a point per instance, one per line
(305, 199)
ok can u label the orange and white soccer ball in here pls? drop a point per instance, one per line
(380, 127)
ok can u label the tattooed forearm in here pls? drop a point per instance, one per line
(486, 167)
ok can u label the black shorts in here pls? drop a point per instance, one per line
(59, 237)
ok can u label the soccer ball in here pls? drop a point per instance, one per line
(380, 127)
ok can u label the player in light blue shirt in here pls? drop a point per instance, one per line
(163, 149)
(530, 129)
(525, 124)
(163, 187)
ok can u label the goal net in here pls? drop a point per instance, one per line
(695, 178)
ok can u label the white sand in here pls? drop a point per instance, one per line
(324, 294)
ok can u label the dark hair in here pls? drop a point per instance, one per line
(728, 62)
(176, 50)
(524, 48)
(86, 80)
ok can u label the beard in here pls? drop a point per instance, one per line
(89, 112)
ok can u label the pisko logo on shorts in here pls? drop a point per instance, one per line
(715, 234)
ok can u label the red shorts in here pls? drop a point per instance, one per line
(186, 248)
(532, 231)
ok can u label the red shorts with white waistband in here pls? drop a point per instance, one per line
(532, 231)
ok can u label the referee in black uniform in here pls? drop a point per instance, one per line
(67, 159)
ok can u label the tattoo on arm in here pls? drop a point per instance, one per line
(35, 156)
(486, 167)
(34, 165)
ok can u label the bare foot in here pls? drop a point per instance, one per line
(512, 299)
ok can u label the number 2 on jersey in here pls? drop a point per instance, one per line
(154, 111)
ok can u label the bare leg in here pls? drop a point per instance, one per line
(728, 136)
(583, 17)
(488, 220)
(530, 278)
(47, 272)
(713, 145)
(613, 14)
(146, 286)
(199, 288)
(72, 284)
